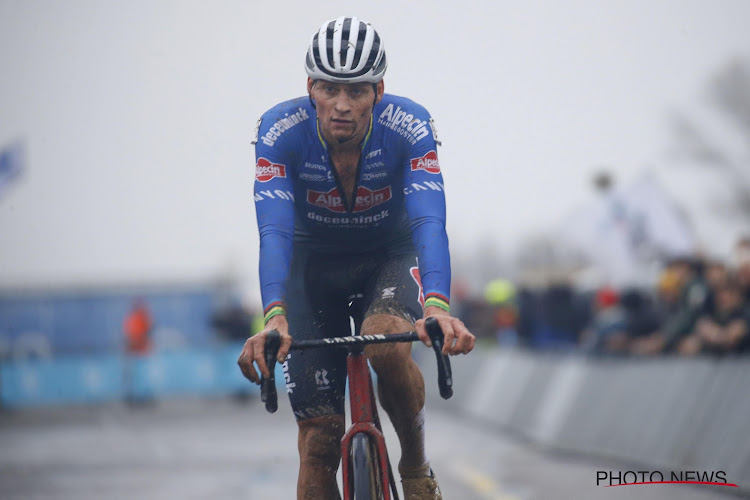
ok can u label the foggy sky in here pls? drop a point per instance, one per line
(137, 116)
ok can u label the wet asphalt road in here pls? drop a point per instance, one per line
(221, 448)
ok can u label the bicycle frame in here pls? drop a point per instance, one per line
(363, 414)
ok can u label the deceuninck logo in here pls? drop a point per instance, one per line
(609, 478)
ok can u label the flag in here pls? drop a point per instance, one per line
(628, 232)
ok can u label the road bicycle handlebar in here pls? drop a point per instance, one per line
(273, 342)
(445, 375)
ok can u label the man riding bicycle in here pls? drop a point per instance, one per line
(351, 212)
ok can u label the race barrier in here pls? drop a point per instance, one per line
(102, 378)
(670, 414)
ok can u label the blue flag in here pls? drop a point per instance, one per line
(11, 164)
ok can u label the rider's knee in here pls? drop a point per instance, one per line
(386, 357)
(320, 440)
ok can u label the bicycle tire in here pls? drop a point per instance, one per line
(366, 474)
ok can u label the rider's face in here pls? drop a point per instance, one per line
(344, 109)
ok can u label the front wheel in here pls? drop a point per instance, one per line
(366, 477)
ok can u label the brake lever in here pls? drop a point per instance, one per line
(445, 376)
(268, 385)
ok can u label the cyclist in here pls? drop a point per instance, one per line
(350, 207)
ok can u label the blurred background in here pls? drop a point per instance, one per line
(596, 157)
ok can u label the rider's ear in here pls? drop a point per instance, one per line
(379, 91)
(310, 86)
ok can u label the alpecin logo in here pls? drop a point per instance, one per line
(366, 199)
(404, 123)
(428, 163)
(265, 170)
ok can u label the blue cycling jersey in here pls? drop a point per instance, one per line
(399, 193)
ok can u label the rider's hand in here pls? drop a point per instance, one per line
(457, 339)
(254, 349)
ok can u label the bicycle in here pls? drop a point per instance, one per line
(366, 469)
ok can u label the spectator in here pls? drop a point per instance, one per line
(562, 317)
(693, 294)
(726, 328)
(740, 264)
(527, 315)
(137, 328)
(715, 273)
(501, 296)
(642, 318)
(607, 324)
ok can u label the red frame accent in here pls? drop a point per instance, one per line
(363, 409)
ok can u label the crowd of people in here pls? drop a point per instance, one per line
(697, 306)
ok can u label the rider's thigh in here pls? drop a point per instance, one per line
(385, 356)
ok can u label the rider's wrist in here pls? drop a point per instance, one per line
(274, 309)
(437, 300)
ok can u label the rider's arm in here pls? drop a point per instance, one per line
(274, 208)
(425, 204)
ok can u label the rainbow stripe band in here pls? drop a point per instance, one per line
(437, 300)
(273, 310)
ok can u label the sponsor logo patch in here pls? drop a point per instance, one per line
(428, 163)
(330, 200)
(321, 379)
(404, 123)
(365, 200)
(315, 166)
(265, 170)
(368, 176)
(283, 125)
(305, 176)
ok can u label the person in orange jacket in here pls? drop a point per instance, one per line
(137, 327)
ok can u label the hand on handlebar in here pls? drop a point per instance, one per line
(254, 349)
(457, 338)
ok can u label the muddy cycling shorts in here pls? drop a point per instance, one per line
(320, 289)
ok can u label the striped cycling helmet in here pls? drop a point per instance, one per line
(346, 50)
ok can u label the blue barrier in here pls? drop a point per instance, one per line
(91, 320)
(91, 379)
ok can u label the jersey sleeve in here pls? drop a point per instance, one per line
(274, 208)
(425, 205)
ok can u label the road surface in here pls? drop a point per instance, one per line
(221, 448)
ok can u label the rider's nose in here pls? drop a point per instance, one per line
(342, 104)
